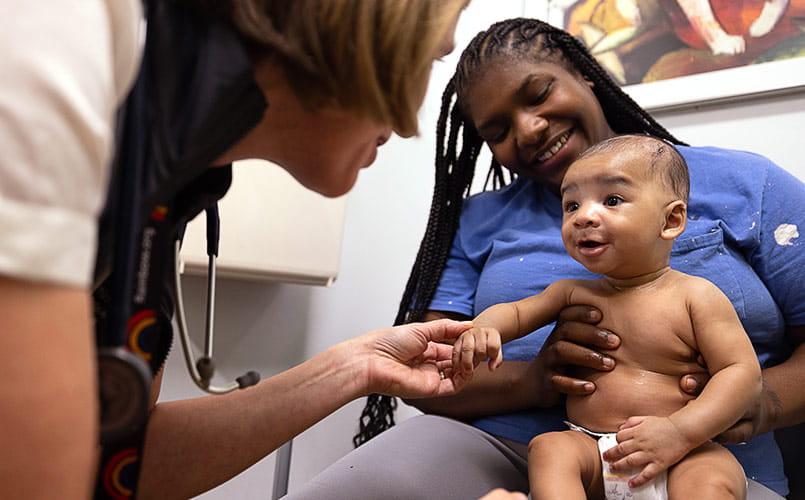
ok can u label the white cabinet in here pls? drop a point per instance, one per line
(272, 228)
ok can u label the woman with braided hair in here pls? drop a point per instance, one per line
(537, 98)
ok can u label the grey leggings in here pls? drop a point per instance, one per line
(429, 457)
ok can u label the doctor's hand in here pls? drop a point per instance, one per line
(411, 361)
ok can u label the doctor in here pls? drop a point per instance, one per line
(316, 87)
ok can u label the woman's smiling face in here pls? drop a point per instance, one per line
(536, 117)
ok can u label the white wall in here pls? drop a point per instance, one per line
(269, 327)
(769, 126)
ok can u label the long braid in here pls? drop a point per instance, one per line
(452, 181)
(522, 38)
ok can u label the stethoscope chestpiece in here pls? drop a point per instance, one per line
(124, 380)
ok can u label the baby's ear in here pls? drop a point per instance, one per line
(676, 214)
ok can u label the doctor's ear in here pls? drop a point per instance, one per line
(676, 214)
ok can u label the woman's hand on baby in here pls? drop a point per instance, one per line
(758, 419)
(578, 341)
(575, 341)
(475, 346)
(648, 444)
(411, 361)
(693, 383)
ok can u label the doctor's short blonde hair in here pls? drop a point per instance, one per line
(370, 56)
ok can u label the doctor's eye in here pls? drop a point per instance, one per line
(612, 201)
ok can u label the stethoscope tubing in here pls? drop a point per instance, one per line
(202, 370)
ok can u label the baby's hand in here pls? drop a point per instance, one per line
(474, 346)
(652, 444)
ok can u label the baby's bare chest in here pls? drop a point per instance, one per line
(654, 326)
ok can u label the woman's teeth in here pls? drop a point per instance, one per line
(556, 147)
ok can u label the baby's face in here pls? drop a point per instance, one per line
(614, 213)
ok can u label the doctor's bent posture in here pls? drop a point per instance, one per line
(95, 98)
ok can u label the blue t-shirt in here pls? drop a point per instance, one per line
(744, 215)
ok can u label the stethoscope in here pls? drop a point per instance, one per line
(126, 377)
(202, 369)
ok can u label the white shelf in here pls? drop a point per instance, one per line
(272, 229)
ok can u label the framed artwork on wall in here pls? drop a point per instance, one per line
(669, 54)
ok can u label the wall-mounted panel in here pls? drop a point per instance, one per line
(272, 228)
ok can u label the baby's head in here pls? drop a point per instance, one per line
(625, 200)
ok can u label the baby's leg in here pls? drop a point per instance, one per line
(564, 465)
(709, 471)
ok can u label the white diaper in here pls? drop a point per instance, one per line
(616, 485)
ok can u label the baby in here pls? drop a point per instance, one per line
(637, 436)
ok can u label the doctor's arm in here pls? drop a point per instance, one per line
(48, 395)
(58, 105)
(194, 445)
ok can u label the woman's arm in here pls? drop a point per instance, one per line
(782, 400)
(783, 383)
(778, 261)
(196, 444)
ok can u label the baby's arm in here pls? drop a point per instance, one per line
(656, 443)
(505, 322)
